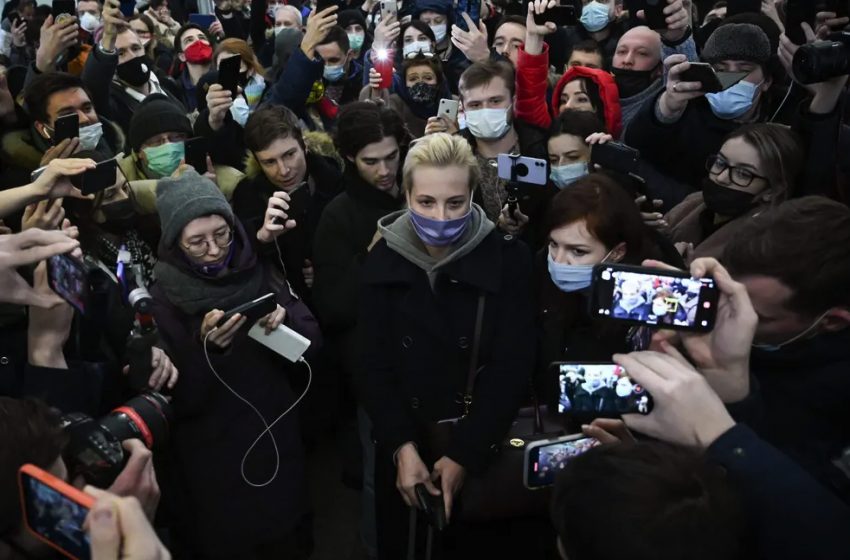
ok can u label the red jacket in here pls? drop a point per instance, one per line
(532, 83)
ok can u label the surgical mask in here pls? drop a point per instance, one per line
(795, 338)
(439, 32)
(90, 136)
(278, 29)
(422, 92)
(726, 201)
(199, 52)
(439, 233)
(571, 277)
(240, 111)
(416, 47)
(135, 72)
(659, 308)
(89, 22)
(163, 160)
(355, 41)
(565, 175)
(632, 82)
(594, 17)
(334, 73)
(488, 124)
(733, 102)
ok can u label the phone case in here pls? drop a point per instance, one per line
(705, 75)
(195, 150)
(448, 108)
(283, 340)
(66, 127)
(101, 177)
(253, 310)
(615, 157)
(84, 500)
(388, 8)
(654, 12)
(228, 74)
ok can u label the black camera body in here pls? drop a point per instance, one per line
(94, 450)
(820, 61)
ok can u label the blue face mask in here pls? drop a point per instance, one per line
(594, 17)
(334, 73)
(565, 175)
(733, 102)
(439, 233)
(572, 277)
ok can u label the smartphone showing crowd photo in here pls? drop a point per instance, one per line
(660, 298)
(545, 459)
(600, 390)
(68, 277)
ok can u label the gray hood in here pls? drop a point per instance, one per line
(401, 237)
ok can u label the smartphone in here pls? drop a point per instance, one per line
(253, 310)
(389, 8)
(545, 459)
(66, 126)
(448, 108)
(561, 16)
(61, 9)
(54, 511)
(470, 7)
(615, 156)
(735, 7)
(798, 12)
(69, 278)
(668, 299)
(599, 390)
(202, 20)
(128, 7)
(383, 64)
(324, 5)
(95, 180)
(228, 74)
(523, 169)
(195, 150)
(654, 12)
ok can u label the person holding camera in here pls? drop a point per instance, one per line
(231, 388)
(439, 270)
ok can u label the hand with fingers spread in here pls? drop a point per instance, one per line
(54, 181)
(723, 355)
(138, 478)
(276, 220)
(26, 248)
(472, 43)
(119, 530)
(410, 472)
(451, 476)
(318, 27)
(47, 214)
(534, 33)
(56, 38)
(674, 100)
(221, 336)
(19, 33)
(686, 409)
(63, 150)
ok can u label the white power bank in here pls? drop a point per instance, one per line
(283, 340)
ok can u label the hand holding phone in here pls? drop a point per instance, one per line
(195, 150)
(253, 310)
(433, 506)
(228, 75)
(561, 16)
(66, 127)
(69, 278)
(615, 156)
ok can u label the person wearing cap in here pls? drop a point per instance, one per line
(684, 125)
(207, 265)
(158, 130)
(118, 72)
(359, 41)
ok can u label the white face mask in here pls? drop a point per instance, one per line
(89, 22)
(90, 136)
(439, 31)
(488, 124)
(240, 111)
(417, 46)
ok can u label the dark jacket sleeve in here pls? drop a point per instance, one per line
(226, 146)
(76, 389)
(505, 379)
(296, 81)
(258, 25)
(97, 77)
(820, 138)
(656, 140)
(793, 516)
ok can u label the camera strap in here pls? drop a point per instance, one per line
(476, 349)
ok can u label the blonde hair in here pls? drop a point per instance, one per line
(440, 150)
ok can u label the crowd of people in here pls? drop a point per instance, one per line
(418, 191)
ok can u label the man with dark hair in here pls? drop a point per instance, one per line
(510, 34)
(342, 74)
(194, 50)
(587, 54)
(795, 262)
(281, 172)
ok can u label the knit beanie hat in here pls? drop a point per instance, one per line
(181, 200)
(737, 41)
(285, 44)
(155, 115)
(350, 17)
(439, 6)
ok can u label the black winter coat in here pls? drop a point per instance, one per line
(416, 347)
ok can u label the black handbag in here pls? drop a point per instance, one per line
(499, 493)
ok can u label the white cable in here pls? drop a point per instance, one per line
(259, 414)
(781, 105)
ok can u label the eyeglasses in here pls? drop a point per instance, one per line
(222, 239)
(740, 176)
(419, 54)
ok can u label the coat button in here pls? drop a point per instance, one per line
(463, 342)
(406, 342)
(4, 361)
(414, 402)
(738, 451)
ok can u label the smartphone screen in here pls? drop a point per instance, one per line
(55, 511)
(95, 180)
(546, 461)
(228, 74)
(661, 298)
(65, 127)
(69, 278)
(196, 153)
(599, 390)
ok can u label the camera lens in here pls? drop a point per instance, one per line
(145, 417)
(521, 170)
(819, 62)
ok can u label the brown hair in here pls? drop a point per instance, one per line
(610, 214)
(482, 73)
(240, 47)
(781, 153)
(803, 243)
(362, 123)
(268, 123)
(433, 63)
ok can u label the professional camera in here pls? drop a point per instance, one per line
(820, 61)
(94, 449)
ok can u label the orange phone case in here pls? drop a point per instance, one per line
(60, 486)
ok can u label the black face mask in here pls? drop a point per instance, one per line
(632, 82)
(725, 201)
(420, 92)
(120, 216)
(136, 71)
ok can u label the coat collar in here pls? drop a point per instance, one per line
(361, 191)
